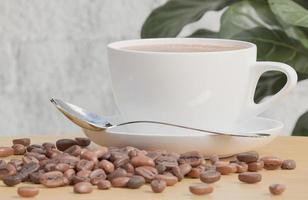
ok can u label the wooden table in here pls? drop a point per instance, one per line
(227, 188)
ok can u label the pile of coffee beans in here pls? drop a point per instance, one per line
(74, 162)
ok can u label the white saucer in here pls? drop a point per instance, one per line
(146, 136)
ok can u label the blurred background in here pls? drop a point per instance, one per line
(58, 49)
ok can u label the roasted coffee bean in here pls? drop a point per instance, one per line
(103, 185)
(185, 168)
(121, 161)
(83, 188)
(19, 149)
(209, 167)
(195, 172)
(248, 157)
(175, 155)
(65, 158)
(52, 153)
(84, 173)
(48, 145)
(277, 189)
(129, 168)
(114, 155)
(120, 181)
(29, 159)
(169, 179)
(288, 164)
(52, 179)
(65, 181)
(161, 168)
(36, 155)
(255, 166)
(77, 179)
(201, 189)
(147, 172)
(33, 146)
(17, 163)
(2, 163)
(64, 144)
(214, 158)
(106, 165)
(128, 149)
(250, 177)
(158, 185)
(6, 151)
(83, 141)
(97, 175)
(153, 154)
(241, 167)
(27, 191)
(50, 167)
(102, 153)
(74, 150)
(7, 170)
(133, 153)
(233, 167)
(194, 158)
(167, 161)
(89, 155)
(119, 172)
(35, 177)
(23, 141)
(28, 169)
(168, 173)
(44, 162)
(62, 167)
(85, 165)
(69, 174)
(38, 150)
(223, 168)
(271, 162)
(210, 176)
(138, 161)
(176, 171)
(11, 180)
(135, 182)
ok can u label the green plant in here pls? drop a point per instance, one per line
(279, 28)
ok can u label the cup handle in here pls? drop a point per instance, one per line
(258, 69)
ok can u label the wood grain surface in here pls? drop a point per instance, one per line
(227, 188)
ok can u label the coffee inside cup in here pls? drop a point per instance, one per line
(185, 47)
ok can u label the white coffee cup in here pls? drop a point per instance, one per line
(212, 90)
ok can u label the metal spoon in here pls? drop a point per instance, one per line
(92, 121)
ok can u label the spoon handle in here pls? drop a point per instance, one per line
(254, 135)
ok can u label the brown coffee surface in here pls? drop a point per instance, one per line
(184, 47)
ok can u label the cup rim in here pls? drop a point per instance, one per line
(120, 45)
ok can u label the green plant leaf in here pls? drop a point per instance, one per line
(270, 83)
(168, 20)
(301, 127)
(204, 33)
(303, 3)
(290, 12)
(277, 46)
(247, 15)
(254, 21)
